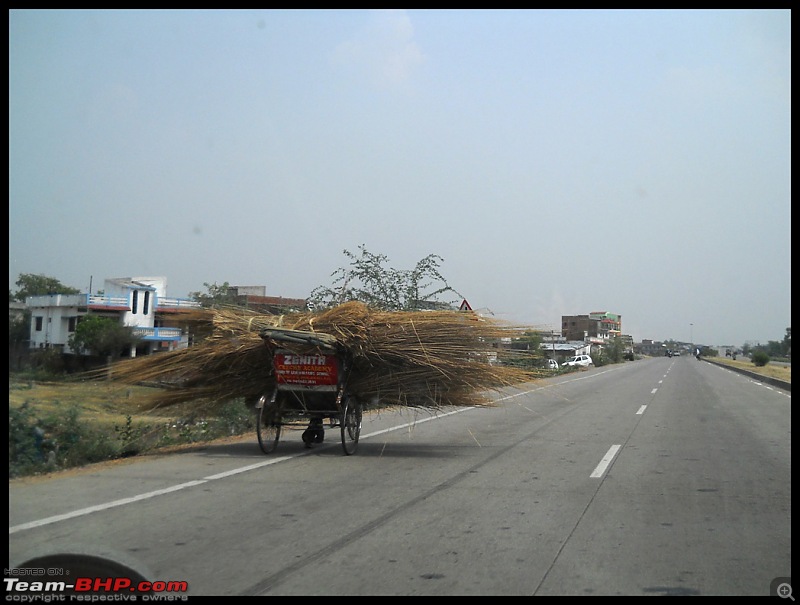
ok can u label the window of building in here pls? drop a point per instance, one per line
(135, 301)
(71, 323)
(146, 302)
(39, 323)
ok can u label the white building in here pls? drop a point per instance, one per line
(137, 302)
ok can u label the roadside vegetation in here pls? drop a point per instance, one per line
(58, 420)
(770, 370)
(56, 423)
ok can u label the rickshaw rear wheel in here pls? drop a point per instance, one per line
(351, 424)
(268, 424)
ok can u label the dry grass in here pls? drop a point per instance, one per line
(106, 404)
(425, 359)
(770, 370)
(109, 403)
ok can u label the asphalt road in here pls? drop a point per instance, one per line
(663, 476)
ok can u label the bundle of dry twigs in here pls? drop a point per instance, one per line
(425, 359)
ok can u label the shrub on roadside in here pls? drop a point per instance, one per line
(41, 443)
(24, 451)
(760, 358)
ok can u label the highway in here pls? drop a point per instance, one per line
(663, 476)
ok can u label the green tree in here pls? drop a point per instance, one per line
(774, 348)
(599, 357)
(531, 344)
(19, 328)
(530, 340)
(368, 280)
(39, 285)
(615, 350)
(102, 336)
(215, 296)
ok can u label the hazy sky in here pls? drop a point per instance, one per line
(559, 161)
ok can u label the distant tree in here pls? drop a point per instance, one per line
(615, 350)
(102, 336)
(530, 340)
(215, 296)
(39, 285)
(19, 328)
(531, 343)
(774, 348)
(368, 280)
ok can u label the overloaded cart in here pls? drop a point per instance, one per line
(310, 371)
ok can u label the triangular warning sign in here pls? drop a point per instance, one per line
(465, 306)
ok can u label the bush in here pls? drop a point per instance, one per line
(43, 440)
(600, 358)
(47, 361)
(760, 358)
(63, 440)
(25, 453)
(75, 442)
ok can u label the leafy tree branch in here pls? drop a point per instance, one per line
(368, 279)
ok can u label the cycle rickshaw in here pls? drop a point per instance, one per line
(310, 371)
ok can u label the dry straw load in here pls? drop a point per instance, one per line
(422, 359)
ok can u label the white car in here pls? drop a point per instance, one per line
(551, 364)
(578, 360)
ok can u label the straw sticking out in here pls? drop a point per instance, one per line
(425, 359)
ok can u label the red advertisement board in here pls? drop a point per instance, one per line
(306, 370)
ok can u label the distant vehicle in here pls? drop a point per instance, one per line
(668, 353)
(579, 360)
(676, 353)
(551, 364)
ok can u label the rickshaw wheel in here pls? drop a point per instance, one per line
(268, 424)
(351, 424)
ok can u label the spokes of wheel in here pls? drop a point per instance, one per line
(268, 424)
(351, 424)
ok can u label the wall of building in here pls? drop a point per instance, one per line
(134, 302)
